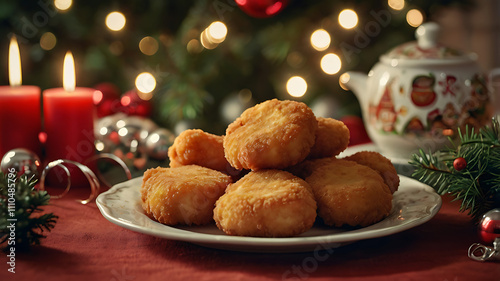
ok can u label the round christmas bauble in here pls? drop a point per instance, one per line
(107, 107)
(109, 91)
(158, 142)
(106, 99)
(24, 162)
(489, 226)
(132, 104)
(144, 126)
(262, 8)
(129, 137)
(459, 164)
(357, 131)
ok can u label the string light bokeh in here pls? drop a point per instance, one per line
(320, 40)
(331, 63)
(296, 86)
(115, 21)
(414, 17)
(348, 19)
(63, 5)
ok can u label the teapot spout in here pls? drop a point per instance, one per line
(356, 82)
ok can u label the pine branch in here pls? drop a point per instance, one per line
(19, 201)
(478, 185)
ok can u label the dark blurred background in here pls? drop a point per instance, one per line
(205, 80)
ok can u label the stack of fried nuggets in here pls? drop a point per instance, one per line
(271, 175)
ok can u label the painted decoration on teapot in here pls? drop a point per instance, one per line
(429, 105)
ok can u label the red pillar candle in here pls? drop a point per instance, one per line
(20, 117)
(69, 114)
(69, 124)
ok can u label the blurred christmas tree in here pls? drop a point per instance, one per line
(205, 76)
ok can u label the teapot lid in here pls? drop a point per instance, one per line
(426, 48)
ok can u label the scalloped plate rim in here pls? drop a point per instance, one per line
(242, 243)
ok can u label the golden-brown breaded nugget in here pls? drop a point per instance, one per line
(332, 137)
(380, 164)
(266, 203)
(182, 195)
(196, 147)
(271, 135)
(349, 193)
(306, 167)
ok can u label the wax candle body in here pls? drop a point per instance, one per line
(69, 124)
(20, 118)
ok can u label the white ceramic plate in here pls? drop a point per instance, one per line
(413, 204)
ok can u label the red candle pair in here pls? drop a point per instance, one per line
(68, 115)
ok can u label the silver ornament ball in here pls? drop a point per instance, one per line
(24, 162)
(158, 142)
(106, 125)
(141, 125)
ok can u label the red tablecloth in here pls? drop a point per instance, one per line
(85, 246)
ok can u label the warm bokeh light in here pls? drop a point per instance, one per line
(148, 45)
(205, 42)
(320, 40)
(97, 97)
(123, 132)
(414, 17)
(125, 101)
(295, 59)
(194, 46)
(331, 63)
(145, 82)
(217, 32)
(99, 145)
(397, 5)
(245, 95)
(348, 18)
(15, 75)
(48, 41)
(63, 5)
(116, 48)
(296, 86)
(145, 96)
(69, 80)
(115, 21)
(344, 78)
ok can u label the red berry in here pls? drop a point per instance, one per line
(459, 164)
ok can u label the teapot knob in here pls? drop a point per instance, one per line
(427, 35)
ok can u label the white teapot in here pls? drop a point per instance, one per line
(419, 94)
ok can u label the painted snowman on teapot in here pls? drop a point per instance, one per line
(419, 94)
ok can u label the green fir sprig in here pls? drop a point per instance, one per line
(477, 186)
(20, 204)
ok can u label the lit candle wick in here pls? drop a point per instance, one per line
(14, 63)
(69, 73)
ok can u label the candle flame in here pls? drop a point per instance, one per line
(15, 77)
(69, 73)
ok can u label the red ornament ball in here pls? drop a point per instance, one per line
(106, 99)
(357, 130)
(262, 8)
(489, 227)
(459, 164)
(133, 104)
(109, 91)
